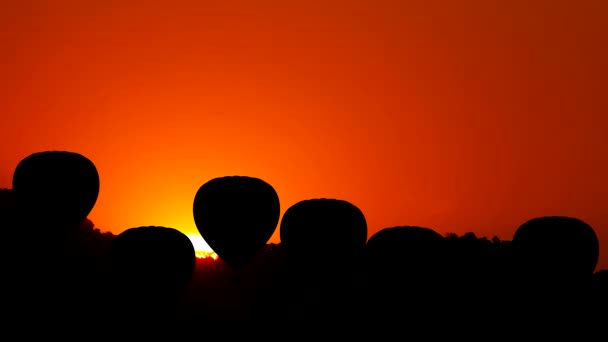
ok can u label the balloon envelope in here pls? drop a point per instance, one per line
(152, 260)
(236, 215)
(557, 245)
(405, 273)
(323, 228)
(55, 188)
(403, 245)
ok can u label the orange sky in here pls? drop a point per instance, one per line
(455, 115)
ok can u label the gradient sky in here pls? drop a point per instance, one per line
(460, 116)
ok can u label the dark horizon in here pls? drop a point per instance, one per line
(148, 277)
(362, 169)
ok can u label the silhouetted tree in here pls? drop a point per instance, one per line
(7, 210)
(476, 279)
(8, 228)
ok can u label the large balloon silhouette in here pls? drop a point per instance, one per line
(553, 245)
(236, 215)
(323, 228)
(152, 262)
(55, 188)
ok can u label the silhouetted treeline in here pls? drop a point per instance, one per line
(477, 274)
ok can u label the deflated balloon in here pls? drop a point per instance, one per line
(236, 215)
(323, 228)
(556, 245)
(55, 188)
(152, 262)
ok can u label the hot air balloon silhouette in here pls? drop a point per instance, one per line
(329, 229)
(55, 189)
(236, 215)
(406, 247)
(323, 240)
(151, 266)
(554, 259)
(556, 246)
(405, 256)
(404, 275)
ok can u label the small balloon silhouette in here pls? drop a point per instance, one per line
(405, 245)
(323, 228)
(236, 215)
(152, 262)
(404, 273)
(556, 245)
(55, 189)
(411, 253)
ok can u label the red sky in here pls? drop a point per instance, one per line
(454, 115)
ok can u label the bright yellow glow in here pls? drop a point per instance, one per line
(201, 248)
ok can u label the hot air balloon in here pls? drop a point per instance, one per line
(236, 215)
(405, 255)
(151, 266)
(327, 229)
(55, 189)
(556, 245)
(323, 240)
(554, 259)
(152, 263)
(404, 275)
(404, 247)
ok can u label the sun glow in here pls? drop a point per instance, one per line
(201, 248)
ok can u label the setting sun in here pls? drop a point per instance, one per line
(201, 247)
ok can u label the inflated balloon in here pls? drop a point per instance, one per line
(236, 215)
(404, 274)
(55, 188)
(323, 240)
(406, 253)
(152, 262)
(323, 228)
(556, 245)
(406, 246)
